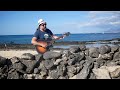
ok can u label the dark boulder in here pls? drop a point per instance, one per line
(27, 56)
(3, 61)
(115, 48)
(13, 74)
(82, 47)
(38, 57)
(14, 60)
(4, 72)
(116, 55)
(18, 66)
(36, 71)
(61, 70)
(79, 56)
(54, 74)
(30, 64)
(104, 49)
(94, 52)
(66, 53)
(72, 61)
(71, 69)
(108, 56)
(74, 49)
(51, 54)
(86, 52)
(48, 64)
(85, 71)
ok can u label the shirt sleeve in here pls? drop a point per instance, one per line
(36, 34)
(50, 32)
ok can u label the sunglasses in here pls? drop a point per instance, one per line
(43, 24)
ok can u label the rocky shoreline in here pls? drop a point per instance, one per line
(77, 62)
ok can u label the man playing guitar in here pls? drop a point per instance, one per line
(43, 36)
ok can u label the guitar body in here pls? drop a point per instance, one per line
(41, 49)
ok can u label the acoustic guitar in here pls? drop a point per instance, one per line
(42, 50)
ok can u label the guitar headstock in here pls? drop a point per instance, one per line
(66, 34)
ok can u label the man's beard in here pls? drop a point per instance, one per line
(45, 28)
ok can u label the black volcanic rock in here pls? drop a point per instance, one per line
(82, 47)
(104, 49)
(115, 48)
(30, 65)
(94, 52)
(76, 62)
(28, 56)
(51, 54)
(116, 55)
(74, 49)
(3, 61)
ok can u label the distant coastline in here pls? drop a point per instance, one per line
(61, 33)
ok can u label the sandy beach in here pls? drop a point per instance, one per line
(18, 53)
(12, 53)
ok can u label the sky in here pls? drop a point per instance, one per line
(26, 22)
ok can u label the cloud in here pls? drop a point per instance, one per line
(115, 23)
(100, 19)
(103, 12)
(105, 17)
(94, 21)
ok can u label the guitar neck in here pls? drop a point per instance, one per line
(64, 35)
(60, 36)
(53, 40)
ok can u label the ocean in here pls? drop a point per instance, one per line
(26, 39)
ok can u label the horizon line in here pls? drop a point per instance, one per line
(59, 33)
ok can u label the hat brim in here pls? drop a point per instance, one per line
(42, 23)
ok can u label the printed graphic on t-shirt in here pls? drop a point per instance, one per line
(46, 36)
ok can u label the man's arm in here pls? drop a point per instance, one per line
(57, 38)
(34, 42)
